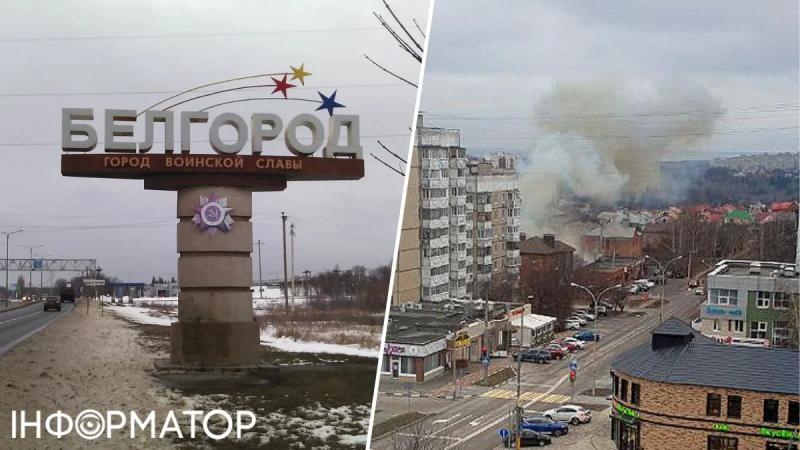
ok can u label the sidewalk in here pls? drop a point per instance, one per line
(442, 385)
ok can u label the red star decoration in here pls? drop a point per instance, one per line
(281, 85)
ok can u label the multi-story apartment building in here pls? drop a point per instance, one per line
(444, 226)
(408, 270)
(751, 300)
(493, 204)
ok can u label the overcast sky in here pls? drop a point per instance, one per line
(130, 54)
(489, 62)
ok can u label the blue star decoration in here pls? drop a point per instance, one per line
(329, 102)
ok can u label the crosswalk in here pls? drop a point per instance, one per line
(526, 396)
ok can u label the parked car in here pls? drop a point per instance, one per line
(586, 335)
(570, 324)
(541, 424)
(569, 413)
(633, 289)
(52, 302)
(609, 306)
(699, 290)
(528, 438)
(602, 310)
(576, 342)
(586, 315)
(581, 320)
(569, 346)
(533, 355)
(693, 283)
(556, 351)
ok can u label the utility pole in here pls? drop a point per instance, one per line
(260, 279)
(285, 274)
(8, 235)
(663, 269)
(596, 342)
(291, 238)
(30, 269)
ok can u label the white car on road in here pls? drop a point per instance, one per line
(577, 342)
(571, 324)
(569, 413)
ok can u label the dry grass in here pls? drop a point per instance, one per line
(344, 326)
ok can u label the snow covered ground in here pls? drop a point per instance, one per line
(324, 336)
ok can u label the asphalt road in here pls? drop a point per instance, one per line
(20, 324)
(472, 423)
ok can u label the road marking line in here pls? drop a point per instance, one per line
(451, 425)
(475, 422)
(21, 317)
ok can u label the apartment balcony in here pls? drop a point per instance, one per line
(458, 200)
(461, 292)
(512, 237)
(485, 207)
(434, 280)
(459, 274)
(435, 203)
(435, 261)
(512, 221)
(458, 163)
(483, 277)
(439, 298)
(513, 270)
(439, 242)
(458, 182)
(458, 238)
(436, 224)
(434, 164)
(436, 183)
(484, 242)
(512, 254)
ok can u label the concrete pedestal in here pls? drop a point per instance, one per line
(216, 326)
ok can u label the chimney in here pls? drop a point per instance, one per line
(523, 236)
(550, 240)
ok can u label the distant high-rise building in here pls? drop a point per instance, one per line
(493, 204)
(408, 273)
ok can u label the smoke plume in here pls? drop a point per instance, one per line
(603, 141)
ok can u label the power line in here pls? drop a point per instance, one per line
(153, 92)
(188, 35)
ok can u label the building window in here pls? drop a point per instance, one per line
(432, 362)
(722, 443)
(734, 407)
(723, 297)
(781, 335)
(763, 298)
(770, 410)
(716, 325)
(616, 386)
(635, 393)
(407, 365)
(794, 413)
(624, 394)
(758, 330)
(783, 300)
(738, 326)
(713, 404)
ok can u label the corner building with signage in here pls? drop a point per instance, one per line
(682, 390)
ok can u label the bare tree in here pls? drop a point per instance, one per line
(422, 436)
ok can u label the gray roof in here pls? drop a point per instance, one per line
(536, 245)
(614, 231)
(700, 361)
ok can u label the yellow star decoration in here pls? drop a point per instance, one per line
(298, 73)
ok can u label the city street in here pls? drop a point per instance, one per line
(473, 423)
(21, 323)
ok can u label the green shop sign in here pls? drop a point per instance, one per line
(625, 411)
(781, 434)
(722, 427)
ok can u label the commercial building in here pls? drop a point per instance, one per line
(682, 390)
(751, 300)
(426, 339)
(408, 270)
(493, 204)
(608, 271)
(545, 260)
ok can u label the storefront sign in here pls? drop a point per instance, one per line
(722, 427)
(461, 341)
(779, 433)
(722, 311)
(414, 350)
(627, 412)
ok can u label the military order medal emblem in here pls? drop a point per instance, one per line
(213, 214)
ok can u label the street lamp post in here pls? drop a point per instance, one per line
(8, 235)
(663, 269)
(30, 269)
(595, 299)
